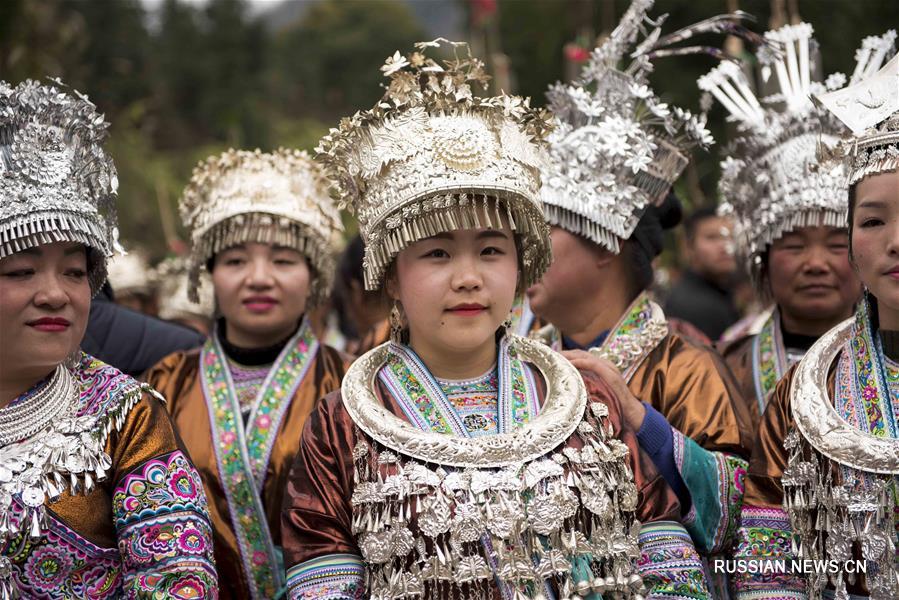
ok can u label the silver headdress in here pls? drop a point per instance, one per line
(274, 198)
(172, 280)
(870, 108)
(616, 147)
(130, 273)
(771, 180)
(56, 181)
(432, 157)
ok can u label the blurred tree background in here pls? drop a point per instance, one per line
(181, 80)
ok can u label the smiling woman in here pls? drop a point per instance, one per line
(97, 497)
(457, 288)
(45, 301)
(263, 225)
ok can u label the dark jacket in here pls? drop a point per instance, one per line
(702, 304)
(131, 341)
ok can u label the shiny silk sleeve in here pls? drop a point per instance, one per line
(159, 510)
(738, 357)
(765, 531)
(695, 391)
(178, 378)
(320, 552)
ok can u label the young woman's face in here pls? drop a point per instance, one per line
(810, 275)
(261, 290)
(45, 301)
(456, 288)
(875, 242)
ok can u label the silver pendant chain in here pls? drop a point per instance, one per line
(36, 412)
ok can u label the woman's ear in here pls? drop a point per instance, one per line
(391, 285)
(604, 257)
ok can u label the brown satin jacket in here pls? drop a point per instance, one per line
(178, 378)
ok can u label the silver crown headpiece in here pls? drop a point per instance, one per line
(278, 197)
(616, 147)
(870, 109)
(771, 181)
(431, 156)
(56, 181)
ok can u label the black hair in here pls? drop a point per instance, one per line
(349, 268)
(648, 240)
(852, 195)
(696, 217)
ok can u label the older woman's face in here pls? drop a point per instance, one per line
(45, 301)
(875, 242)
(810, 275)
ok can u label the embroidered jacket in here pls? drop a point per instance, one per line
(707, 436)
(759, 359)
(142, 531)
(244, 466)
(364, 519)
(821, 484)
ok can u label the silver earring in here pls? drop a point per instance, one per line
(72, 361)
(507, 326)
(396, 324)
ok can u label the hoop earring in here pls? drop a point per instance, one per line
(396, 323)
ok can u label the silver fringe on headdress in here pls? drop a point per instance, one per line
(56, 181)
(278, 198)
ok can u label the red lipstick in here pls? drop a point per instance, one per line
(50, 324)
(259, 304)
(467, 309)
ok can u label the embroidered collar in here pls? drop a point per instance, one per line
(874, 450)
(561, 413)
(640, 330)
(69, 454)
(425, 404)
(769, 358)
(242, 453)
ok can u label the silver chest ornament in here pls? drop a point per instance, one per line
(839, 482)
(46, 449)
(551, 503)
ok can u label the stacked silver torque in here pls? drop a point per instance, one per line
(47, 448)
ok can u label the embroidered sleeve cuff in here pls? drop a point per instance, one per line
(329, 577)
(764, 534)
(669, 563)
(163, 530)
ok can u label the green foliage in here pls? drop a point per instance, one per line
(193, 79)
(328, 61)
